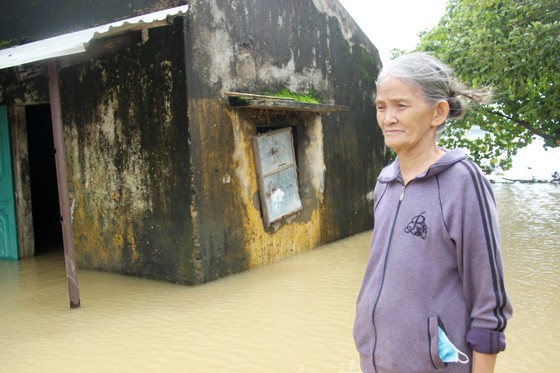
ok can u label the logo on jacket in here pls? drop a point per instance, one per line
(417, 226)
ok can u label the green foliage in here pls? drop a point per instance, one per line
(309, 97)
(8, 43)
(396, 52)
(513, 47)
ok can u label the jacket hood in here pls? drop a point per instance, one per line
(392, 171)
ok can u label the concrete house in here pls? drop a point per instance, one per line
(180, 160)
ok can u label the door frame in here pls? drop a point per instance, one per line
(22, 181)
(9, 238)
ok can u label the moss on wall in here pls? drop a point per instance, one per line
(308, 97)
(126, 131)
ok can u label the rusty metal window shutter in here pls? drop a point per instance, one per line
(277, 174)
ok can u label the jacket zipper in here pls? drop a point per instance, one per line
(401, 197)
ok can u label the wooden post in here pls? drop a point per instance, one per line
(61, 178)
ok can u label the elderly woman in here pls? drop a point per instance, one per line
(433, 296)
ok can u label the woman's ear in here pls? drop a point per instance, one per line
(441, 113)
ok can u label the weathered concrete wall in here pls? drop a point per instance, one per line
(162, 173)
(128, 157)
(127, 148)
(262, 46)
(126, 141)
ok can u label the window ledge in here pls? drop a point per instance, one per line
(238, 100)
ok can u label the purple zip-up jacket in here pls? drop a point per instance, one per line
(435, 260)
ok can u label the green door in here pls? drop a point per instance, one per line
(8, 236)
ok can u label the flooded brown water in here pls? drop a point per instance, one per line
(292, 316)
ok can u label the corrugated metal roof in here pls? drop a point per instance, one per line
(77, 42)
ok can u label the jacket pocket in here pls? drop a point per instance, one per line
(433, 323)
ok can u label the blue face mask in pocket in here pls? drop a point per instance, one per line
(448, 353)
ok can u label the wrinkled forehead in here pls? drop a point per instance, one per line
(391, 77)
(390, 88)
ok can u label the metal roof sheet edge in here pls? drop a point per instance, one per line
(76, 42)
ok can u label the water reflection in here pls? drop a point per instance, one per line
(293, 316)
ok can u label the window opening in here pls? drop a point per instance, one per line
(277, 173)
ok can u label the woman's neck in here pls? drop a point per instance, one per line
(412, 164)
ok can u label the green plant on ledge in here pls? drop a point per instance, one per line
(309, 97)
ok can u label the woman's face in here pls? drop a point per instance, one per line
(408, 122)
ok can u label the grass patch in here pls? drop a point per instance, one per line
(309, 97)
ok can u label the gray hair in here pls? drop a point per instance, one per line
(434, 79)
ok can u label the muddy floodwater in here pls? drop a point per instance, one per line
(293, 316)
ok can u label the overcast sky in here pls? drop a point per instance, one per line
(394, 23)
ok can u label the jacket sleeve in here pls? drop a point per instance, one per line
(479, 261)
